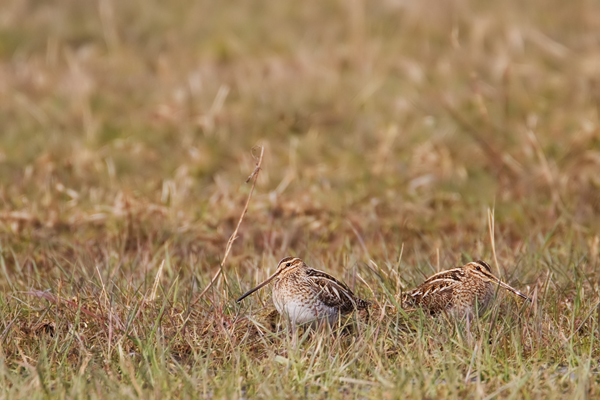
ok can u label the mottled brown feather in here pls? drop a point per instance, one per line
(334, 293)
(304, 293)
(461, 290)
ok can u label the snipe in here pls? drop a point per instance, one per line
(303, 294)
(460, 291)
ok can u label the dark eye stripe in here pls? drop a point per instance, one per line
(286, 261)
(485, 265)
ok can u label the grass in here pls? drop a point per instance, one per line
(390, 129)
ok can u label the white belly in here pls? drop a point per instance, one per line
(299, 313)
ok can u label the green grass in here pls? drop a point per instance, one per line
(389, 128)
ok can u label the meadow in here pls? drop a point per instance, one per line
(400, 138)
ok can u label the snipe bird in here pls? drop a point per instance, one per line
(460, 291)
(304, 294)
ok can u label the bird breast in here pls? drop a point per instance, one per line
(298, 301)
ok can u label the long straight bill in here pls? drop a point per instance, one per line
(512, 289)
(255, 289)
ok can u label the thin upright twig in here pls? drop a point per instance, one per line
(152, 296)
(254, 177)
(490, 214)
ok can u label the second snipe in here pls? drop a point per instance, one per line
(303, 294)
(460, 291)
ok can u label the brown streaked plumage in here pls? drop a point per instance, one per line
(303, 294)
(460, 291)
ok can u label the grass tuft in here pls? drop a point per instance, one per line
(400, 138)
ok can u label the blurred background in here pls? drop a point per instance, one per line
(396, 132)
(129, 127)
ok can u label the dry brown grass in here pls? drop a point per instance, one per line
(126, 131)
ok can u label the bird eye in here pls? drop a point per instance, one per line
(288, 264)
(478, 268)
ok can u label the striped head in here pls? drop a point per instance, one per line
(286, 266)
(481, 270)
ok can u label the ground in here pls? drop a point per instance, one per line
(400, 138)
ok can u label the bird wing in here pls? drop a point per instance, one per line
(436, 293)
(334, 293)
